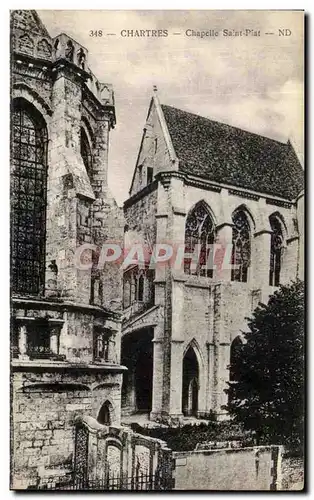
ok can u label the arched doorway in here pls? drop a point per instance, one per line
(190, 383)
(137, 387)
(235, 350)
(235, 353)
(104, 415)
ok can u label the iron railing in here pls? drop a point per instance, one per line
(140, 482)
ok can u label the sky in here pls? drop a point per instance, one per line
(255, 82)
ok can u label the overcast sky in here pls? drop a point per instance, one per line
(255, 83)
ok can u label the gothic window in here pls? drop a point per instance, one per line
(104, 416)
(133, 286)
(199, 230)
(241, 246)
(86, 153)
(28, 199)
(276, 246)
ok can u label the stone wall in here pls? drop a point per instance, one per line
(140, 218)
(248, 469)
(45, 407)
(60, 376)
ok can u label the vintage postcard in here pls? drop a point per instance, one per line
(157, 250)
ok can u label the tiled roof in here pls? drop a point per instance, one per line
(229, 155)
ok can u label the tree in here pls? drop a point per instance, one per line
(266, 391)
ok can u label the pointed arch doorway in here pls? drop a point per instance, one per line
(190, 383)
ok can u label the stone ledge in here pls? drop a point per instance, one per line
(48, 365)
(64, 305)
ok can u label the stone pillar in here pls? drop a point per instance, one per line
(261, 258)
(54, 340)
(210, 379)
(221, 350)
(157, 379)
(107, 218)
(68, 183)
(289, 262)
(175, 403)
(300, 221)
(23, 342)
(131, 396)
(100, 156)
(223, 377)
(159, 342)
(223, 252)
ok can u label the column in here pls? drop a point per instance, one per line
(210, 374)
(68, 183)
(23, 342)
(223, 377)
(157, 379)
(54, 340)
(222, 258)
(175, 400)
(261, 258)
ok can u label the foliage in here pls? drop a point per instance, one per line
(267, 391)
(186, 437)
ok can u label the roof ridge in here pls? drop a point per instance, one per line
(228, 125)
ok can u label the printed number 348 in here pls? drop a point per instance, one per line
(95, 33)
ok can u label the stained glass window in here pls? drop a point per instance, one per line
(276, 245)
(28, 199)
(241, 246)
(199, 230)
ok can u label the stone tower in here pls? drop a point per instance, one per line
(66, 325)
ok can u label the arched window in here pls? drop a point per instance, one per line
(190, 388)
(199, 230)
(241, 246)
(28, 199)
(276, 246)
(86, 153)
(235, 353)
(104, 415)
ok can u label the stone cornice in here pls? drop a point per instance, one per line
(141, 194)
(279, 203)
(244, 194)
(64, 366)
(70, 68)
(223, 224)
(263, 231)
(35, 61)
(63, 305)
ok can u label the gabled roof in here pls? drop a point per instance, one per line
(229, 155)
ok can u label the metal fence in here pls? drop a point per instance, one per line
(141, 482)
